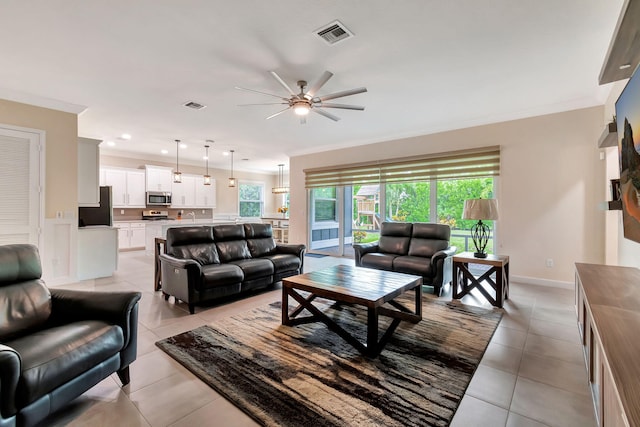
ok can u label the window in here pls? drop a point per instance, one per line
(324, 204)
(251, 199)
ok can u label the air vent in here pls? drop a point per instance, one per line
(334, 32)
(194, 105)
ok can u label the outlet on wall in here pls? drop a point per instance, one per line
(549, 262)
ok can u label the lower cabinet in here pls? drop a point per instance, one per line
(97, 253)
(131, 235)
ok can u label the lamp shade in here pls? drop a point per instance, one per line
(480, 209)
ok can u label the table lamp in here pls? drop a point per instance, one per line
(480, 209)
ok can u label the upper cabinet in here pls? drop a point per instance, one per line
(205, 194)
(88, 172)
(192, 193)
(127, 186)
(159, 178)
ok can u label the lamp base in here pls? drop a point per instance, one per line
(480, 254)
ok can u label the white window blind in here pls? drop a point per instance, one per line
(473, 163)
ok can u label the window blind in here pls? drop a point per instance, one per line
(473, 163)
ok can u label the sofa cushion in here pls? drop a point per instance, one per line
(19, 263)
(254, 268)
(378, 260)
(228, 232)
(23, 307)
(413, 265)
(233, 250)
(395, 237)
(192, 243)
(261, 247)
(431, 231)
(216, 275)
(258, 231)
(284, 262)
(426, 247)
(55, 356)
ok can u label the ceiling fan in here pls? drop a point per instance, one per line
(303, 102)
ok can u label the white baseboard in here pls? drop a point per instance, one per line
(542, 282)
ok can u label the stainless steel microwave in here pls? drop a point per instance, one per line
(158, 198)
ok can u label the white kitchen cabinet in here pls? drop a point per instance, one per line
(205, 194)
(97, 254)
(88, 172)
(127, 187)
(131, 235)
(159, 178)
(184, 194)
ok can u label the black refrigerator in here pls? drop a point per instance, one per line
(101, 215)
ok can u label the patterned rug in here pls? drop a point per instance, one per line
(307, 375)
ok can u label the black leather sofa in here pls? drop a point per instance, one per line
(414, 248)
(56, 344)
(203, 263)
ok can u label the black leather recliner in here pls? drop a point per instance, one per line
(414, 248)
(203, 263)
(56, 344)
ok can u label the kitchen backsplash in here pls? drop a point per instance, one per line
(136, 214)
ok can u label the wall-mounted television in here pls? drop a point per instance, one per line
(628, 123)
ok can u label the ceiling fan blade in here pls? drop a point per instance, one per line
(340, 94)
(324, 113)
(277, 114)
(264, 93)
(317, 85)
(282, 82)
(266, 103)
(343, 106)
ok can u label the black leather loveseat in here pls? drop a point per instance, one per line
(207, 262)
(56, 344)
(414, 248)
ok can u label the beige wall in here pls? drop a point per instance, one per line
(227, 198)
(551, 182)
(61, 149)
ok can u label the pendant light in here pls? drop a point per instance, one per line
(280, 189)
(232, 180)
(207, 177)
(177, 175)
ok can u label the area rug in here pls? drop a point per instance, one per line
(306, 375)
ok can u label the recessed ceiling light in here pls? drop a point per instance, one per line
(164, 151)
(111, 143)
(183, 145)
(624, 66)
(125, 136)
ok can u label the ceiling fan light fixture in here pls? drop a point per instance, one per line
(301, 108)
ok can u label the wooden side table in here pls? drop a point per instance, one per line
(466, 281)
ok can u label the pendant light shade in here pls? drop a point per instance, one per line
(177, 175)
(207, 177)
(232, 180)
(280, 189)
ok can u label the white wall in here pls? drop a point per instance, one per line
(551, 182)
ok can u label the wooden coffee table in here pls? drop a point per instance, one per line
(355, 285)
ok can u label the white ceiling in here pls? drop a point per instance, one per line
(428, 65)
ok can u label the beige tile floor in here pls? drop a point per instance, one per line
(532, 373)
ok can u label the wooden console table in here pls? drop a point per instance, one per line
(466, 281)
(608, 309)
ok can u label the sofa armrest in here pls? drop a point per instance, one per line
(10, 368)
(113, 307)
(179, 262)
(362, 249)
(297, 250)
(442, 264)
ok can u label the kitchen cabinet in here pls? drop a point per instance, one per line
(159, 178)
(131, 235)
(184, 194)
(88, 172)
(205, 194)
(192, 193)
(97, 253)
(127, 187)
